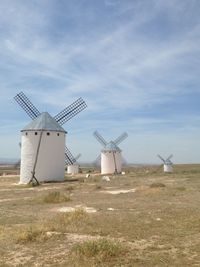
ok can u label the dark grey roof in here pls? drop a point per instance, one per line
(111, 146)
(44, 122)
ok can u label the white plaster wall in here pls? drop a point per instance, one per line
(51, 160)
(108, 164)
(168, 168)
(73, 169)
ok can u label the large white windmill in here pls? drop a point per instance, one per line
(43, 142)
(111, 158)
(72, 164)
(168, 165)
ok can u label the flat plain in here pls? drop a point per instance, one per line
(141, 218)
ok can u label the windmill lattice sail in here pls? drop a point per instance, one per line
(70, 111)
(100, 138)
(27, 106)
(121, 138)
(69, 157)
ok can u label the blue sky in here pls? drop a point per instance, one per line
(135, 62)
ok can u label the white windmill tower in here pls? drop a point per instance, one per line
(72, 164)
(111, 159)
(168, 165)
(43, 142)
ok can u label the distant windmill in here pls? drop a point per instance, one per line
(72, 164)
(43, 142)
(168, 165)
(111, 159)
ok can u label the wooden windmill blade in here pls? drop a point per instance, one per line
(69, 158)
(27, 105)
(121, 138)
(77, 157)
(168, 159)
(100, 138)
(71, 111)
(161, 158)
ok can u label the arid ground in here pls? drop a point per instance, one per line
(142, 218)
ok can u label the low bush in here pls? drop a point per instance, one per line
(67, 221)
(30, 234)
(155, 185)
(56, 197)
(98, 251)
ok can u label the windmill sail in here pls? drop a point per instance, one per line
(27, 106)
(69, 157)
(69, 112)
(77, 157)
(100, 139)
(161, 158)
(121, 138)
(168, 159)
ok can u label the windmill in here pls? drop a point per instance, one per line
(43, 141)
(168, 165)
(72, 164)
(111, 159)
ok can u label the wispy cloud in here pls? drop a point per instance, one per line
(125, 58)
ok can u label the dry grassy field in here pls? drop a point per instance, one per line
(143, 218)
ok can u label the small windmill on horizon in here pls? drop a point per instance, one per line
(111, 158)
(43, 141)
(168, 165)
(72, 164)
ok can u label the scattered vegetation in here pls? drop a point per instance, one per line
(61, 223)
(56, 197)
(97, 251)
(31, 234)
(67, 221)
(98, 186)
(155, 185)
(157, 225)
(180, 188)
(69, 188)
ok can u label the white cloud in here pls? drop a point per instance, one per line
(116, 65)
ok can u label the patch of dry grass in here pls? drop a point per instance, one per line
(67, 222)
(69, 188)
(155, 226)
(29, 234)
(61, 223)
(156, 185)
(97, 252)
(56, 197)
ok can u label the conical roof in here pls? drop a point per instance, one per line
(44, 122)
(111, 146)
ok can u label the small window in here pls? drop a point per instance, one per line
(26, 133)
(35, 133)
(58, 134)
(48, 133)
